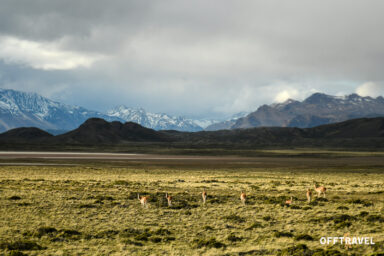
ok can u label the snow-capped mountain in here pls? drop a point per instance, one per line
(24, 109)
(224, 125)
(204, 123)
(318, 109)
(157, 121)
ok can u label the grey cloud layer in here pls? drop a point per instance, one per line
(208, 56)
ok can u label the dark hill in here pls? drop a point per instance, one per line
(252, 136)
(356, 133)
(24, 134)
(99, 131)
(355, 128)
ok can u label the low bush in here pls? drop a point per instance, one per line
(104, 198)
(155, 239)
(135, 243)
(314, 203)
(282, 234)
(267, 218)
(207, 227)
(297, 250)
(121, 182)
(303, 237)
(129, 232)
(375, 218)
(162, 232)
(16, 253)
(233, 238)
(235, 218)
(210, 243)
(255, 225)
(142, 237)
(209, 181)
(87, 206)
(183, 204)
(45, 231)
(169, 238)
(321, 199)
(359, 201)
(106, 234)
(20, 246)
(340, 218)
(24, 204)
(14, 198)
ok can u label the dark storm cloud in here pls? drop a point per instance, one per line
(198, 57)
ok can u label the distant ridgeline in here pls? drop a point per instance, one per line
(356, 133)
(21, 109)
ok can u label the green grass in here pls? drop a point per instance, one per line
(93, 210)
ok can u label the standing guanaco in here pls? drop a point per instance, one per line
(347, 241)
(320, 190)
(289, 202)
(309, 195)
(243, 197)
(204, 195)
(143, 200)
(169, 199)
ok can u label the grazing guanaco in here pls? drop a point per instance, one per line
(204, 195)
(169, 199)
(243, 197)
(320, 190)
(347, 244)
(309, 195)
(143, 200)
(289, 202)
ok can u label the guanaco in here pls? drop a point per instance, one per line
(347, 244)
(143, 200)
(309, 195)
(243, 197)
(204, 195)
(289, 202)
(320, 190)
(169, 199)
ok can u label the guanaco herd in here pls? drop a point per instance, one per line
(243, 197)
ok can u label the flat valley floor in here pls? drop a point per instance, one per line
(60, 204)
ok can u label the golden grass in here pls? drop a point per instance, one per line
(94, 210)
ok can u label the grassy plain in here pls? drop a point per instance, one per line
(91, 207)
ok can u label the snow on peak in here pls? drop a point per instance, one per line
(157, 121)
(30, 109)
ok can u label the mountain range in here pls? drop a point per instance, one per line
(24, 109)
(316, 110)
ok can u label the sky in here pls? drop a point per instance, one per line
(200, 59)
